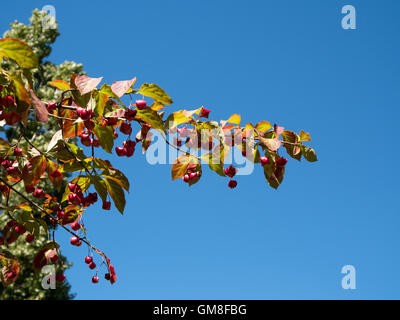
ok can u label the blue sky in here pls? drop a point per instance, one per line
(288, 62)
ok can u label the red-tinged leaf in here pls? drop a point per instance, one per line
(278, 130)
(10, 264)
(86, 84)
(60, 84)
(272, 144)
(119, 88)
(33, 170)
(40, 259)
(41, 112)
(71, 128)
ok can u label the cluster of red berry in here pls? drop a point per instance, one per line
(8, 109)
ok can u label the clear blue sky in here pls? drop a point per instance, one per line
(288, 62)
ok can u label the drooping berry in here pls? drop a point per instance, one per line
(7, 102)
(264, 160)
(106, 205)
(74, 199)
(74, 241)
(232, 184)
(73, 186)
(11, 275)
(107, 276)
(29, 189)
(130, 114)
(17, 152)
(51, 107)
(75, 226)
(126, 128)
(83, 113)
(120, 151)
(54, 259)
(29, 238)
(92, 265)
(89, 124)
(56, 174)
(281, 162)
(95, 279)
(39, 193)
(60, 277)
(141, 104)
(88, 259)
(231, 171)
(20, 230)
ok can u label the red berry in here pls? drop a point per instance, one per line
(232, 184)
(204, 113)
(115, 134)
(95, 279)
(92, 265)
(126, 128)
(186, 178)
(51, 107)
(141, 104)
(264, 160)
(281, 162)
(86, 141)
(54, 259)
(6, 163)
(89, 124)
(7, 102)
(10, 240)
(75, 226)
(95, 143)
(17, 152)
(29, 238)
(11, 275)
(29, 189)
(130, 152)
(130, 114)
(74, 199)
(20, 230)
(231, 171)
(107, 276)
(121, 152)
(83, 113)
(72, 186)
(56, 174)
(88, 260)
(12, 224)
(60, 277)
(106, 205)
(38, 193)
(74, 240)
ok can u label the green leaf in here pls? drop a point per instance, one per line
(152, 118)
(116, 193)
(100, 186)
(19, 51)
(292, 150)
(215, 163)
(308, 153)
(263, 126)
(101, 100)
(155, 92)
(176, 118)
(118, 177)
(105, 136)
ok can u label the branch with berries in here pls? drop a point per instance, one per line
(97, 116)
